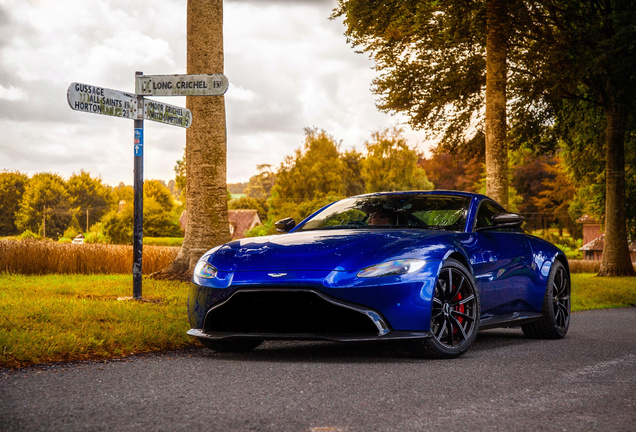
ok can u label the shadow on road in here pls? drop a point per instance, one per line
(360, 352)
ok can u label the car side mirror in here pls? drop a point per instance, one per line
(285, 225)
(504, 220)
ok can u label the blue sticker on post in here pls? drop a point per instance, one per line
(139, 142)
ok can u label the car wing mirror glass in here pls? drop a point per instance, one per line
(285, 225)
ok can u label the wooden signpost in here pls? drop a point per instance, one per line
(115, 103)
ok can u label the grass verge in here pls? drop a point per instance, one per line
(163, 241)
(78, 317)
(592, 292)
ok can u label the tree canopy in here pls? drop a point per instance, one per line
(390, 165)
(12, 187)
(44, 205)
(319, 173)
(86, 192)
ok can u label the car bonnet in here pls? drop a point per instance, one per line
(321, 250)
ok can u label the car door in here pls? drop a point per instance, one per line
(502, 262)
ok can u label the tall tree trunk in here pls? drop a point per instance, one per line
(496, 71)
(616, 260)
(206, 189)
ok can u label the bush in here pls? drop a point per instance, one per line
(95, 238)
(267, 228)
(158, 222)
(119, 226)
(64, 240)
(28, 234)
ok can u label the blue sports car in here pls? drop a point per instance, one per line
(429, 268)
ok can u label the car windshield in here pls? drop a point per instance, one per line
(439, 212)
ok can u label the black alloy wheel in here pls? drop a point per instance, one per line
(454, 315)
(555, 321)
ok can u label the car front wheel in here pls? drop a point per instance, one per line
(454, 315)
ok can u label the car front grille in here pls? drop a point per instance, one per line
(290, 312)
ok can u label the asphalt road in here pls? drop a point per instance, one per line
(585, 382)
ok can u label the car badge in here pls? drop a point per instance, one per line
(276, 275)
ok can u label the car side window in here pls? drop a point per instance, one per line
(487, 209)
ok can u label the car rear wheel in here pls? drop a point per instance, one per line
(555, 321)
(454, 315)
(231, 345)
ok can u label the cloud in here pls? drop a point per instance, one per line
(288, 65)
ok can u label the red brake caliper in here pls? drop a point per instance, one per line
(459, 308)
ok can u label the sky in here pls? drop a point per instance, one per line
(288, 65)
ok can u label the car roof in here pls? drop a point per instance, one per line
(428, 192)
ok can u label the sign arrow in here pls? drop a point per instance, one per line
(181, 85)
(169, 114)
(100, 100)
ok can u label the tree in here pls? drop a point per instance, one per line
(237, 188)
(449, 171)
(158, 222)
(261, 184)
(12, 186)
(45, 204)
(123, 193)
(585, 51)
(436, 59)
(206, 191)
(529, 179)
(73, 228)
(312, 175)
(496, 80)
(554, 200)
(390, 165)
(579, 123)
(118, 226)
(352, 179)
(88, 194)
(158, 191)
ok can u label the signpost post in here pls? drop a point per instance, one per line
(99, 100)
(138, 188)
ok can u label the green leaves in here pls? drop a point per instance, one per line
(319, 173)
(390, 165)
(12, 186)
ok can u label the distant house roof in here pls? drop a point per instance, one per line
(587, 219)
(242, 221)
(597, 245)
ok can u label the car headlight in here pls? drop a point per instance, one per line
(205, 270)
(392, 268)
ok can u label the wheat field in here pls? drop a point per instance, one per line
(33, 257)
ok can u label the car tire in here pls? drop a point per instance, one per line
(457, 309)
(555, 321)
(231, 345)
